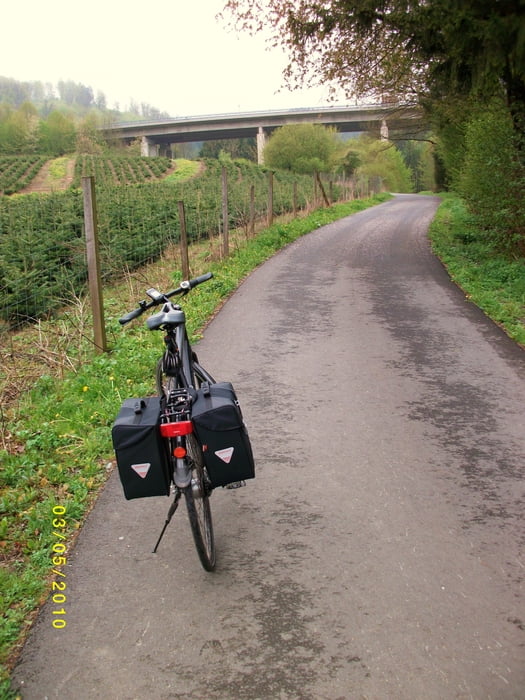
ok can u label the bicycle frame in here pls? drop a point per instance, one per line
(178, 348)
(180, 361)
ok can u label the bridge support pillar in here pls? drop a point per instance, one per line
(164, 150)
(384, 130)
(148, 147)
(262, 139)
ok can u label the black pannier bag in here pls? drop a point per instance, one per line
(141, 454)
(222, 434)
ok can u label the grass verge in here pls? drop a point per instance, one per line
(58, 453)
(492, 280)
(185, 169)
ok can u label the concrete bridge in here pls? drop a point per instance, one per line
(157, 136)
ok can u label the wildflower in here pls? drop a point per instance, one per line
(85, 388)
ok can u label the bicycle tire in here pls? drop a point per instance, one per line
(197, 377)
(164, 383)
(198, 505)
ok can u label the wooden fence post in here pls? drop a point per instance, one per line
(251, 227)
(95, 286)
(185, 262)
(225, 222)
(270, 198)
(326, 201)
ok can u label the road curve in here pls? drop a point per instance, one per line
(378, 553)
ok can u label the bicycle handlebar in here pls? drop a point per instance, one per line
(199, 280)
(129, 317)
(183, 288)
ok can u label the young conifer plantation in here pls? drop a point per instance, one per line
(42, 249)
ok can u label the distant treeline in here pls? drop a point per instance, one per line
(66, 93)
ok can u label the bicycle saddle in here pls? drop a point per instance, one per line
(170, 315)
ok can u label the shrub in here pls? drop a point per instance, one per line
(492, 179)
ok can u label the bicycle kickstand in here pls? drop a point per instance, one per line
(171, 511)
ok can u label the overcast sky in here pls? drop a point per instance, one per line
(171, 54)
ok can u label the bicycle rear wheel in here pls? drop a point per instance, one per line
(198, 505)
(164, 383)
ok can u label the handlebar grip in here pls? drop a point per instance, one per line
(201, 279)
(129, 317)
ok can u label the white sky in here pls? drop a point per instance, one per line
(171, 54)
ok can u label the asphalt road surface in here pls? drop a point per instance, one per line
(378, 553)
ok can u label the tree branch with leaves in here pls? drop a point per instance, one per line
(416, 51)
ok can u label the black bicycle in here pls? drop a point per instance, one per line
(178, 376)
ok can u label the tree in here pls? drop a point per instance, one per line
(89, 138)
(304, 148)
(422, 51)
(12, 91)
(57, 134)
(419, 158)
(237, 148)
(492, 180)
(18, 129)
(350, 162)
(101, 101)
(381, 159)
(13, 133)
(75, 93)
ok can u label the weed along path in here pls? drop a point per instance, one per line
(379, 551)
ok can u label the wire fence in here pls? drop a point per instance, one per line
(42, 243)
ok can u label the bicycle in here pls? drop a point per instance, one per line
(178, 376)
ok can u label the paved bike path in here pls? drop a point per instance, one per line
(379, 551)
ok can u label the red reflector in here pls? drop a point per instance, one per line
(183, 427)
(179, 452)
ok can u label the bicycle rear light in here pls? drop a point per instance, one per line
(169, 430)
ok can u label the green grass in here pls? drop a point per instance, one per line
(185, 169)
(58, 168)
(61, 445)
(491, 279)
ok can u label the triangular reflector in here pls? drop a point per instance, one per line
(225, 454)
(141, 469)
